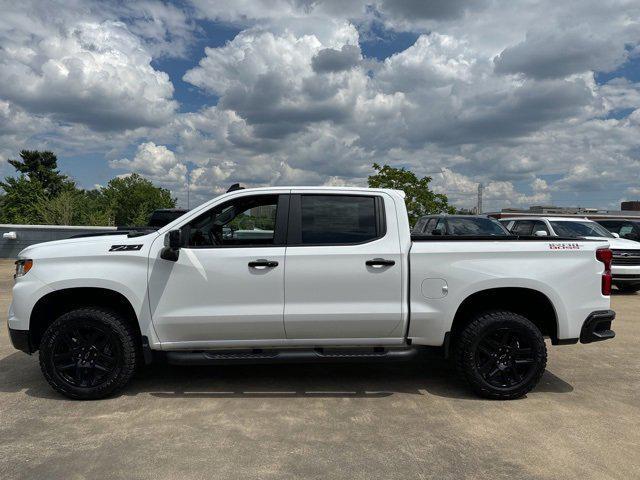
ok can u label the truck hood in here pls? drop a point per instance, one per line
(82, 244)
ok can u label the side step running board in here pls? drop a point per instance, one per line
(256, 356)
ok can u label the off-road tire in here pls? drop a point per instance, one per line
(471, 360)
(122, 349)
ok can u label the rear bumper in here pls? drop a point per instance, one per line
(20, 340)
(597, 327)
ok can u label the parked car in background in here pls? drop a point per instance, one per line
(468, 225)
(625, 267)
(629, 229)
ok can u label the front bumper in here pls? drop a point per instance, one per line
(597, 327)
(625, 278)
(20, 340)
(625, 273)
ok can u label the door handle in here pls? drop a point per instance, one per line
(262, 263)
(380, 262)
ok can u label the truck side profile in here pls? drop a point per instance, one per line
(305, 274)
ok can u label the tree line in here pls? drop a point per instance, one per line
(40, 194)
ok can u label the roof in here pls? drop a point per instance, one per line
(321, 188)
(551, 219)
(632, 220)
(447, 215)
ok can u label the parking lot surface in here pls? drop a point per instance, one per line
(357, 421)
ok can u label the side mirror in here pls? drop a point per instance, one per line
(540, 233)
(615, 234)
(172, 244)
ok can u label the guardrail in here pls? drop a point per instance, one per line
(15, 238)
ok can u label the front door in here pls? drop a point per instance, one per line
(344, 268)
(228, 282)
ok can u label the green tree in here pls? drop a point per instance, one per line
(41, 166)
(71, 207)
(94, 210)
(420, 200)
(21, 201)
(41, 194)
(131, 199)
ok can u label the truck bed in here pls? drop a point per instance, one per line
(446, 270)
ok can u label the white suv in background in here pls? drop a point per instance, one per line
(625, 267)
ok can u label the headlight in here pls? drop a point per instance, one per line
(22, 267)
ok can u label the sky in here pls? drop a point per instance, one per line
(538, 100)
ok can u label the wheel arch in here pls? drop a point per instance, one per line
(530, 303)
(53, 304)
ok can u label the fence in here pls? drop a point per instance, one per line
(14, 238)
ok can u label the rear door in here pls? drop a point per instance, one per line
(344, 270)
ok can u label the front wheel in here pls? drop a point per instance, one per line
(501, 354)
(88, 353)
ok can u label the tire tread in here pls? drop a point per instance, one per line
(130, 349)
(471, 333)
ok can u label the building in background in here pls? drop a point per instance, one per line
(627, 210)
(633, 205)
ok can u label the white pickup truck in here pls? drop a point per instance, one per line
(331, 274)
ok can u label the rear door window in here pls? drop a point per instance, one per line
(338, 219)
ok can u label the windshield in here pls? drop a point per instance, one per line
(475, 226)
(580, 229)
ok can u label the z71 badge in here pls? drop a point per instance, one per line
(124, 248)
(564, 246)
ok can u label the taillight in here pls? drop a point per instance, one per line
(605, 256)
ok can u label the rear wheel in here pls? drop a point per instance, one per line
(501, 354)
(88, 353)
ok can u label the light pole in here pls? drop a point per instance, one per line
(188, 187)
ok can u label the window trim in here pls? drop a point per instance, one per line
(294, 230)
(279, 234)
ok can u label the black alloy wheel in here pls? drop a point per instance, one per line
(501, 354)
(86, 355)
(89, 353)
(504, 358)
